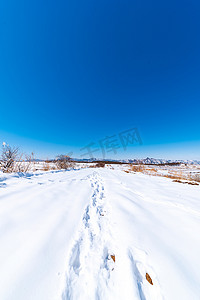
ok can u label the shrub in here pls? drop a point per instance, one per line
(137, 168)
(8, 158)
(12, 160)
(64, 162)
(100, 164)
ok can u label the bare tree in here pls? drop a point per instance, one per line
(8, 158)
(14, 161)
(64, 162)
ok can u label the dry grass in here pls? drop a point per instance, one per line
(151, 170)
(137, 168)
(195, 177)
(176, 176)
(46, 166)
(186, 182)
(143, 169)
(183, 178)
(49, 165)
(179, 181)
(193, 183)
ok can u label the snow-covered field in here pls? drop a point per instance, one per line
(96, 234)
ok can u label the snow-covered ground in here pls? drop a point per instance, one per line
(96, 234)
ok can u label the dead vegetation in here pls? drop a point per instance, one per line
(186, 182)
(182, 178)
(195, 177)
(46, 166)
(177, 176)
(8, 158)
(113, 257)
(193, 183)
(148, 278)
(64, 162)
(24, 165)
(49, 165)
(99, 164)
(177, 180)
(14, 161)
(137, 168)
(141, 168)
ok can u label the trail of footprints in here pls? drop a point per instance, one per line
(93, 258)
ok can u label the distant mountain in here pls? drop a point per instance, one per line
(146, 161)
(155, 161)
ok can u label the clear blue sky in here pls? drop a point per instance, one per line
(75, 72)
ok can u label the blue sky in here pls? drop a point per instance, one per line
(75, 72)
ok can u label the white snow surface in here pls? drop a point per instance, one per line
(95, 233)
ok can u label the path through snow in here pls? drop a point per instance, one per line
(97, 263)
(90, 266)
(95, 234)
